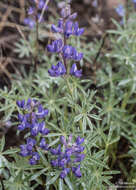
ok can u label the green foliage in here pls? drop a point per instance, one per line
(104, 117)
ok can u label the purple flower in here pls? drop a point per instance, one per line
(56, 46)
(34, 112)
(73, 16)
(30, 144)
(64, 172)
(54, 163)
(20, 117)
(74, 71)
(62, 162)
(42, 128)
(56, 151)
(20, 103)
(35, 158)
(24, 151)
(68, 51)
(79, 140)
(79, 157)
(68, 28)
(68, 158)
(77, 31)
(30, 22)
(41, 4)
(120, 10)
(41, 112)
(31, 10)
(35, 129)
(63, 140)
(65, 11)
(57, 70)
(77, 171)
(43, 144)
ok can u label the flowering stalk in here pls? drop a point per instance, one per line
(66, 27)
(33, 21)
(68, 155)
(32, 119)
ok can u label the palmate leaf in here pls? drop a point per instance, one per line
(22, 48)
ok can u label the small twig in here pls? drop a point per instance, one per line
(43, 10)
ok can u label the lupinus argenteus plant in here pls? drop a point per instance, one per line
(66, 28)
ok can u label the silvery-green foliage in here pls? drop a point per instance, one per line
(105, 117)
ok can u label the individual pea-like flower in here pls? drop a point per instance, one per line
(56, 46)
(77, 31)
(57, 70)
(43, 144)
(70, 157)
(35, 157)
(120, 10)
(74, 71)
(70, 52)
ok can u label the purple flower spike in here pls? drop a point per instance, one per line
(55, 47)
(75, 72)
(69, 156)
(57, 70)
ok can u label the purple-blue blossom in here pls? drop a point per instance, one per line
(75, 72)
(70, 157)
(120, 10)
(56, 46)
(57, 70)
(32, 118)
(66, 27)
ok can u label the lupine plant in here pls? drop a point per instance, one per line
(71, 131)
